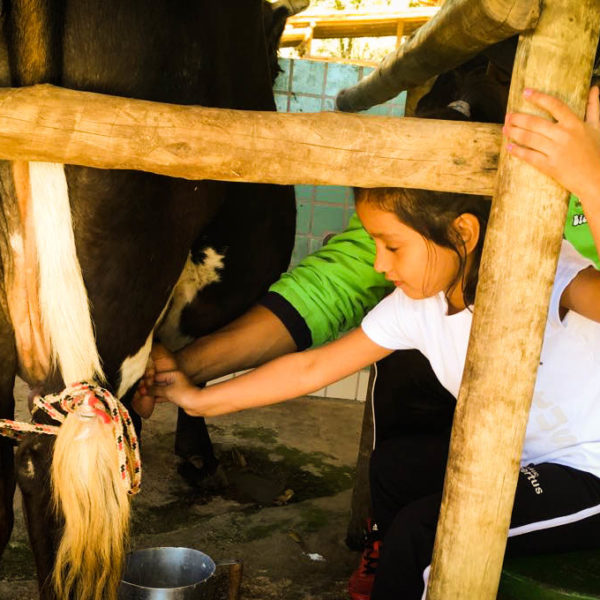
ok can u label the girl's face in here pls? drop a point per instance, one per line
(417, 266)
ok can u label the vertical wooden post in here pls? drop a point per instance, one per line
(399, 33)
(517, 271)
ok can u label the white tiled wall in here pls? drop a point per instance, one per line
(353, 387)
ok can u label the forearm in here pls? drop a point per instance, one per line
(253, 339)
(286, 377)
(281, 379)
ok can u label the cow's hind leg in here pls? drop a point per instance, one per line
(8, 366)
(33, 461)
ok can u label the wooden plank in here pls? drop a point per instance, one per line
(516, 277)
(460, 30)
(353, 25)
(47, 123)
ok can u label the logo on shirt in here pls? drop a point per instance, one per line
(551, 420)
(533, 477)
(579, 220)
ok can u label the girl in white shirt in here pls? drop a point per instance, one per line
(429, 244)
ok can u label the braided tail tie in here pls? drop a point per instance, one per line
(94, 401)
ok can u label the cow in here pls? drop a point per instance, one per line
(132, 235)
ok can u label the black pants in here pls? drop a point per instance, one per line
(407, 471)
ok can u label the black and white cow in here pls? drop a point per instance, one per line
(133, 231)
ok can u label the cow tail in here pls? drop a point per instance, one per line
(63, 298)
(95, 504)
(86, 482)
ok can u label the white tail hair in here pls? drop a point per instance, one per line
(91, 496)
(86, 482)
(63, 298)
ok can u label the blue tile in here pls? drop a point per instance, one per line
(304, 192)
(281, 102)
(328, 104)
(347, 214)
(304, 210)
(282, 83)
(327, 219)
(399, 100)
(367, 71)
(397, 111)
(300, 103)
(308, 77)
(314, 244)
(340, 76)
(300, 249)
(331, 193)
(379, 109)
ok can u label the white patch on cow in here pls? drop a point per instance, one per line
(133, 367)
(63, 298)
(193, 278)
(29, 470)
(16, 242)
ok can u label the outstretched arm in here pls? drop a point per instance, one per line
(286, 377)
(250, 340)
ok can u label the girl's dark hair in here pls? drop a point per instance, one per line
(432, 215)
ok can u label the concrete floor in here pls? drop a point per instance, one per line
(307, 445)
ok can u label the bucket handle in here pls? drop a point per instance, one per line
(235, 576)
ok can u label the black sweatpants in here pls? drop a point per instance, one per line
(556, 508)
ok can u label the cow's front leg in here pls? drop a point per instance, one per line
(8, 362)
(33, 461)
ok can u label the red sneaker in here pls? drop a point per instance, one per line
(361, 581)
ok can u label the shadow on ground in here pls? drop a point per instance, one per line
(288, 477)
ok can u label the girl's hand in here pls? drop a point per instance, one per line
(568, 150)
(160, 360)
(175, 387)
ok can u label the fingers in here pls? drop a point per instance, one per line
(160, 390)
(592, 111)
(525, 135)
(557, 108)
(534, 158)
(165, 378)
(539, 125)
(163, 359)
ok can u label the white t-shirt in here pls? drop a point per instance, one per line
(564, 422)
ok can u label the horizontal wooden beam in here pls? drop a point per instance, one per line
(352, 25)
(460, 30)
(46, 123)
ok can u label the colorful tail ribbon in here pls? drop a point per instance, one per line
(58, 406)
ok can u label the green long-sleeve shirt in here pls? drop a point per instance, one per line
(332, 289)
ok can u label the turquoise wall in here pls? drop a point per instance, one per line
(311, 86)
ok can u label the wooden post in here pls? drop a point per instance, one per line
(399, 33)
(52, 124)
(460, 30)
(517, 271)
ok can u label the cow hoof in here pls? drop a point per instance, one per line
(205, 475)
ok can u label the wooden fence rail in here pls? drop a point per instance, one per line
(47, 123)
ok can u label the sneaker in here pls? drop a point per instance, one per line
(361, 581)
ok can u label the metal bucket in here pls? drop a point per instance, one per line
(170, 574)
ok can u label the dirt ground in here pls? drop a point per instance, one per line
(307, 445)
